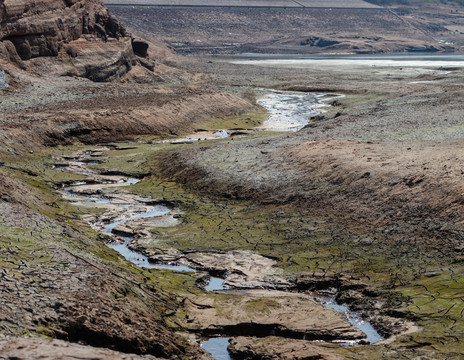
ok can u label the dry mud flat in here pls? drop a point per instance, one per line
(57, 278)
(251, 312)
(385, 165)
(59, 281)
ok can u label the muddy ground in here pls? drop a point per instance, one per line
(381, 173)
(365, 202)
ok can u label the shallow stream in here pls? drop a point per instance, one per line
(290, 111)
(294, 110)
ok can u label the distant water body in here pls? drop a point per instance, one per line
(395, 56)
(403, 59)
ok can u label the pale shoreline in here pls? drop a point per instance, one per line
(305, 63)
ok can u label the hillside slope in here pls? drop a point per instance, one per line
(280, 30)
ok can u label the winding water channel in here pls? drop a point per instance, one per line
(293, 109)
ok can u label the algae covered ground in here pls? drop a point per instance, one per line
(364, 203)
(403, 279)
(60, 280)
(389, 215)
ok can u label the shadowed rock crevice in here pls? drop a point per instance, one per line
(78, 332)
(264, 330)
(32, 349)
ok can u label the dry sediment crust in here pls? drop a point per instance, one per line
(34, 349)
(245, 269)
(264, 312)
(48, 283)
(247, 348)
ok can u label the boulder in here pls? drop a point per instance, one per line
(140, 47)
(269, 312)
(9, 54)
(97, 61)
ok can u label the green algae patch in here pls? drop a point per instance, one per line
(248, 120)
(299, 242)
(262, 306)
(210, 223)
(38, 241)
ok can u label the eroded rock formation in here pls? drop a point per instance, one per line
(35, 28)
(41, 27)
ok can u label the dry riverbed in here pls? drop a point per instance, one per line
(362, 205)
(252, 312)
(370, 189)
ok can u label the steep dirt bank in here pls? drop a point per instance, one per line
(46, 112)
(46, 102)
(58, 281)
(407, 190)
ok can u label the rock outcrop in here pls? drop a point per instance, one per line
(41, 27)
(268, 312)
(36, 28)
(249, 348)
(97, 61)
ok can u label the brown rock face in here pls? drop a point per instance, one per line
(80, 34)
(41, 27)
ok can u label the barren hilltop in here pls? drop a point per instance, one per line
(147, 206)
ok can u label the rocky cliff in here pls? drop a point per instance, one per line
(37, 28)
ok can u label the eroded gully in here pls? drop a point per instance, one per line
(124, 213)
